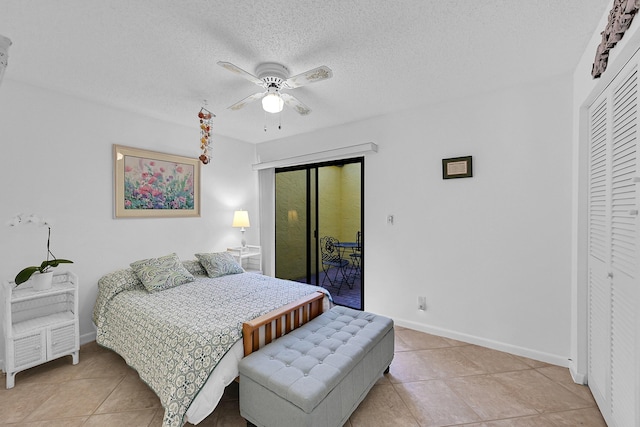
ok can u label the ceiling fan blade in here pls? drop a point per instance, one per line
(294, 103)
(311, 76)
(242, 73)
(238, 105)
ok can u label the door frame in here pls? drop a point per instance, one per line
(314, 240)
(586, 90)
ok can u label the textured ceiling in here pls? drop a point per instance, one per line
(158, 57)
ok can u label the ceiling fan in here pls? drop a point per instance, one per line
(274, 77)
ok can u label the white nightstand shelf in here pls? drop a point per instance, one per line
(40, 326)
(249, 257)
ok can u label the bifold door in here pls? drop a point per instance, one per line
(614, 255)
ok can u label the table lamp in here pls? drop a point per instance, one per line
(241, 219)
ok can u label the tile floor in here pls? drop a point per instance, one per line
(433, 381)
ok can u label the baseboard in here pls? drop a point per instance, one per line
(578, 377)
(496, 345)
(87, 338)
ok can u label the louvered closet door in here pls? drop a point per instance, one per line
(614, 254)
(625, 399)
(599, 231)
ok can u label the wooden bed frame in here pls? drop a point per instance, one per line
(294, 315)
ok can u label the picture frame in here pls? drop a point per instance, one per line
(457, 167)
(153, 184)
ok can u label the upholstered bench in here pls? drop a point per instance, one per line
(318, 374)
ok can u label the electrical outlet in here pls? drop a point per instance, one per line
(422, 303)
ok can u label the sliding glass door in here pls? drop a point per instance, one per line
(319, 207)
(295, 216)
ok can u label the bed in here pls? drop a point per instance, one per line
(185, 341)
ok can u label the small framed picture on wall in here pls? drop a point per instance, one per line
(457, 167)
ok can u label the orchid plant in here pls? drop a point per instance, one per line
(50, 262)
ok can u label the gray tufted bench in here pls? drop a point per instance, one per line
(318, 374)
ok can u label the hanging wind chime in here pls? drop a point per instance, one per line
(206, 121)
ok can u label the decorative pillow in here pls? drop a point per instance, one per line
(219, 264)
(194, 267)
(157, 274)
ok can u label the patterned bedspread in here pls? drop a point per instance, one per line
(176, 337)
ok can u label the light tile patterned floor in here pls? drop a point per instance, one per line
(433, 381)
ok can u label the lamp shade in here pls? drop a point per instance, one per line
(4, 54)
(241, 219)
(272, 103)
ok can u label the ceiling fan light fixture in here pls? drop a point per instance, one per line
(272, 103)
(273, 77)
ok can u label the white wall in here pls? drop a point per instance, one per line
(57, 162)
(491, 253)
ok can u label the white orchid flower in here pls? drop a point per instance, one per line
(50, 262)
(28, 219)
(16, 220)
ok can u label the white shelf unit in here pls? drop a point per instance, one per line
(40, 326)
(249, 257)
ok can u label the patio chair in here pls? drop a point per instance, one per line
(356, 255)
(332, 260)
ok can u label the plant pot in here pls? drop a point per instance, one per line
(42, 281)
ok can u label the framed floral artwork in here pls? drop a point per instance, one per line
(153, 184)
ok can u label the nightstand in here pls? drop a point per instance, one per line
(40, 326)
(249, 257)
